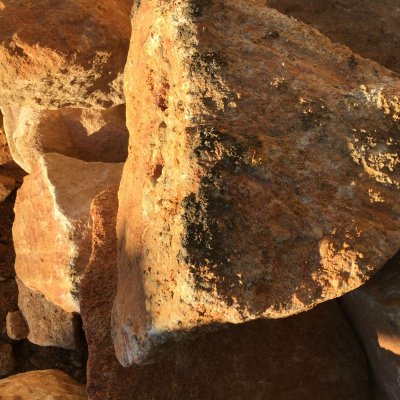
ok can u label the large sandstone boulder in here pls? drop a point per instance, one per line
(68, 53)
(374, 310)
(89, 135)
(39, 385)
(263, 174)
(47, 323)
(52, 228)
(303, 357)
(371, 28)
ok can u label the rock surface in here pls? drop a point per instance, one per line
(40, 385)
(8, 302)
(65, 54)
(369, 27)
(52, 228)
(48, 324)
(7, 186)
(258, 360)
(374, 310)
(7, 361)
(263, 174)
(89, 135)
(16, 326)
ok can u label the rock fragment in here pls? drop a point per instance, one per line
(263, 176)
(8, 302)
(374, 310)
(39, 385)
(86, 134)
(68, 55)
(7, 186)
(47, 324)
(16, 326)
(52, 228)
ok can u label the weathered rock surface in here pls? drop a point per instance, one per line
(65, 54)
(5, 155)
(263, 174)
(371, 28)
(89, 135)
(245, 361)
(7, 186)
(40, 385)
(16, 326)
(7, 361)
(374, 310)
(48, 324)
(52, 228)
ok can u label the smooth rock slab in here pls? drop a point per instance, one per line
(374, 310)
(49, 384)
(52, 228)
(48, 324)
(69, 53)
(263, 176)
(86, 134)
(299, 357)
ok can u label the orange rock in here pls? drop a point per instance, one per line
(71, 54)
(271, 359)
(263, 176)
(52, 228)
(49, 384)
(89, 135)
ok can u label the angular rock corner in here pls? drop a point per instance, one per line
(262, 177)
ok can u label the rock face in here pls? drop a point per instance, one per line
(52, 228)
(263, 174)
(245, 361)
(375, 312)
(369, 27)
(89, 135)
(16, 326)
(40, 385)
(68, 54)
(48, 324)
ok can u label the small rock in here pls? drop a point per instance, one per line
(7, 361)
(8, 302)
(40, 385)
(48, 324)
(16, 326)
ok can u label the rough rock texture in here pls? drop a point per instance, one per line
(371, 28)
(245, 361)
(374, 310)
(89, 135)
(48, 324)
(52, 228)
(5, 155)
(7, 186)
(7, 361)
(8, 302)
(263, 174)
(16, 326)
(69, 53)
(40, 385)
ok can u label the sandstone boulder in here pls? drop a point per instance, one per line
(263, 176)
(301, 357)
(48, 324)
(371, 28)
(89, 135)
(16, 325)
(69, 53)
(7, 361)
(52, 228)
(374, 310)
(40, 385)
